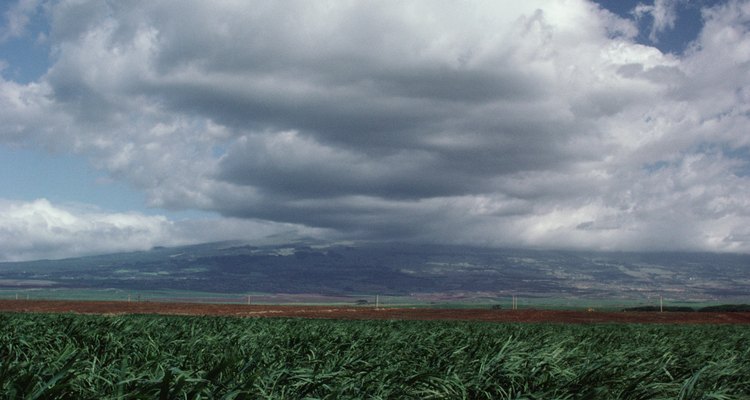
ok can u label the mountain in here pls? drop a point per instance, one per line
(308, 267)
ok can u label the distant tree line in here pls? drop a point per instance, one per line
(718, 308)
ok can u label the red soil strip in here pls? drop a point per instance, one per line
(338, 312)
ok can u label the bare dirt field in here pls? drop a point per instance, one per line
(525, 315)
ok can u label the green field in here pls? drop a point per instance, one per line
(92, 357)
(435, 301)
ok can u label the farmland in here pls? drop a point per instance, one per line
(156, 356)
(370, 313)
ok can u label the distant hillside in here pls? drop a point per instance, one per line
(395, 269)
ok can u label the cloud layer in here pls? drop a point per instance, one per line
(530, 123)
(40, 229)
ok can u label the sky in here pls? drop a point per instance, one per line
(613, 125)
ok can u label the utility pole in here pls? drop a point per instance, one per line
(661, 303)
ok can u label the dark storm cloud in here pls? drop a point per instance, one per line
(318, 171)
(493, 122)
(394, 118)
(353, 117)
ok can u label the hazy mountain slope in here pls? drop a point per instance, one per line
(398, 269)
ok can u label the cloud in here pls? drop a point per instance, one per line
(39, 229)
(505, 123)
(663, 13)
(17, 18)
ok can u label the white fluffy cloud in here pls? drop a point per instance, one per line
(40, 229)
(510, 123)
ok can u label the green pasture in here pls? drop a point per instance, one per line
(505, 302)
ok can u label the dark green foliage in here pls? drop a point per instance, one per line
(718, 308)
(153, 357)
(727, 308)
(656, 309)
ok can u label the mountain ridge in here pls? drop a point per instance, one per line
(350, 268)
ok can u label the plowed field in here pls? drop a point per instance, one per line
(528, 315)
